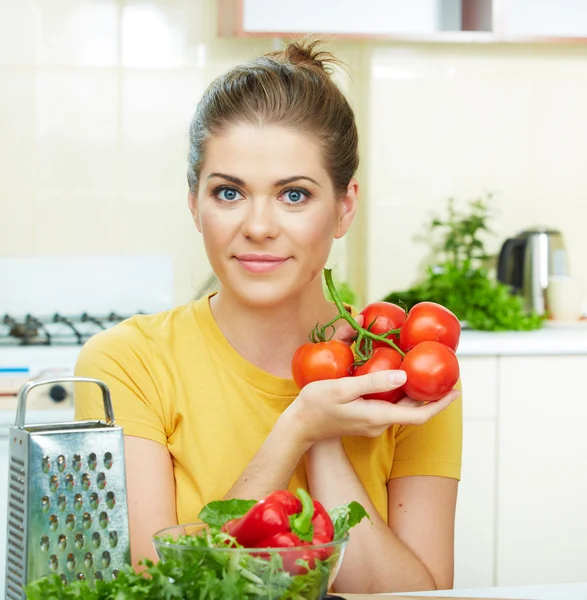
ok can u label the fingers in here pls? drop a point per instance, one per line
(345, 333)
(385, 414)
(347, 389)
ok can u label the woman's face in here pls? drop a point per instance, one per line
(268, 212)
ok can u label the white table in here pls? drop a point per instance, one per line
(561, 591)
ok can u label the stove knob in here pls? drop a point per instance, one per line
(57, 393)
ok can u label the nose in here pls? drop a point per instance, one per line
(260, 221)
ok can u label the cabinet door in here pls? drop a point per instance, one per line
(3, 501)
(542, 465)
(475, 526)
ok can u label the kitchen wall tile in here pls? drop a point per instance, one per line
(157, 107)
(78, 32)
(17, 141)
(154, 34)
(77, 119)
(18, 33)
(17, 225)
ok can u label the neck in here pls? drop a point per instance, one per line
(268, 336)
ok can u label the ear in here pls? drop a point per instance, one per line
(347, 208)
(193, 205)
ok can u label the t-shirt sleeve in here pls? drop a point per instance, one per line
(434, 448)
(121, 358)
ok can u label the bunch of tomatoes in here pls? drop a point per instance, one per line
(422, 342)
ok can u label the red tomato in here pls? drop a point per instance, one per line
(324, 360)
(380, 317)
(428, 322)
(432, 371)
(383, 359)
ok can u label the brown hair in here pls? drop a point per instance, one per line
(290, 87)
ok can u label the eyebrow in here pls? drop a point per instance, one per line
(278, 183)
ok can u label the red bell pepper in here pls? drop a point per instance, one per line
(267, 518)
(311, 526)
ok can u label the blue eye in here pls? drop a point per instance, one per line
(296, 196)
(228, 194)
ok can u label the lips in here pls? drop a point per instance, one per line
(261, 263)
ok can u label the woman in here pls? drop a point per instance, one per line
(204, 391)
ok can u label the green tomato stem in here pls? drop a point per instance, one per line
(343, 313)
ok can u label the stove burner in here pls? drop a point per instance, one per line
(57, 329)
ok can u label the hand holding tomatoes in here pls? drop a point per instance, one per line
(422, 343)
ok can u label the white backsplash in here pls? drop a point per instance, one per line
(95, 284)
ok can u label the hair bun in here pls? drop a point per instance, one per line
(306, 54)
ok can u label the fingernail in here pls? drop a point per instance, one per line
(397, 377)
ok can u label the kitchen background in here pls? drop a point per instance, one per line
(97, 95)
(95, 101)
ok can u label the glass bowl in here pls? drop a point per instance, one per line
(260, 573)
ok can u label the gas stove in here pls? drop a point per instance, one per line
(54, 330)
(45, 347)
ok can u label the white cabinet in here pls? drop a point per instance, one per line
(542, 470)
(545, 18)
(475, 518)
(357, 18)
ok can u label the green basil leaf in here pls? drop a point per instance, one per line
(219, 512)
(345, 517)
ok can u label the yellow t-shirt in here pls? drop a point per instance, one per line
(175, 379)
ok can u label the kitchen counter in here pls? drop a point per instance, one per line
(551, 339)
(561, 591)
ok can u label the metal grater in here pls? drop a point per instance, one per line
(67, 506)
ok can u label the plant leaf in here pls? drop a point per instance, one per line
(219, 512)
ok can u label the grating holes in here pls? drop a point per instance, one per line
(80, 541)
(70, 563)
(61, 464)
(87, 520)
(105, 559)
(86, 482)
(53, 483)
(103, 519)
(101, 481)
(110, 500)
(63, 578)
(115, 573)
(53, 562)
(46, 464)
(88, 560)
(92, 461)
(80, 577)
(77, 462)
(78, 502)
(108, 460)
(53, 522)
(96, 539)
(94, 500)
(62, 502)
(44, 543)
(45, 504)
(70, 522)
(62, 542)
(113, 539)
(98, 575)
(69, 482)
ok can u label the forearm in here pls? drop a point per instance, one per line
(272, 466)
(376, 560)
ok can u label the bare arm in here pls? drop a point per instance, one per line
(151, 494)
(272, 466)
(376, 560)
(422, 514)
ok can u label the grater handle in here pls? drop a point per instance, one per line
(27, 387)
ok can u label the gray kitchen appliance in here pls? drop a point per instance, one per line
(67, 508)
(526, 261)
